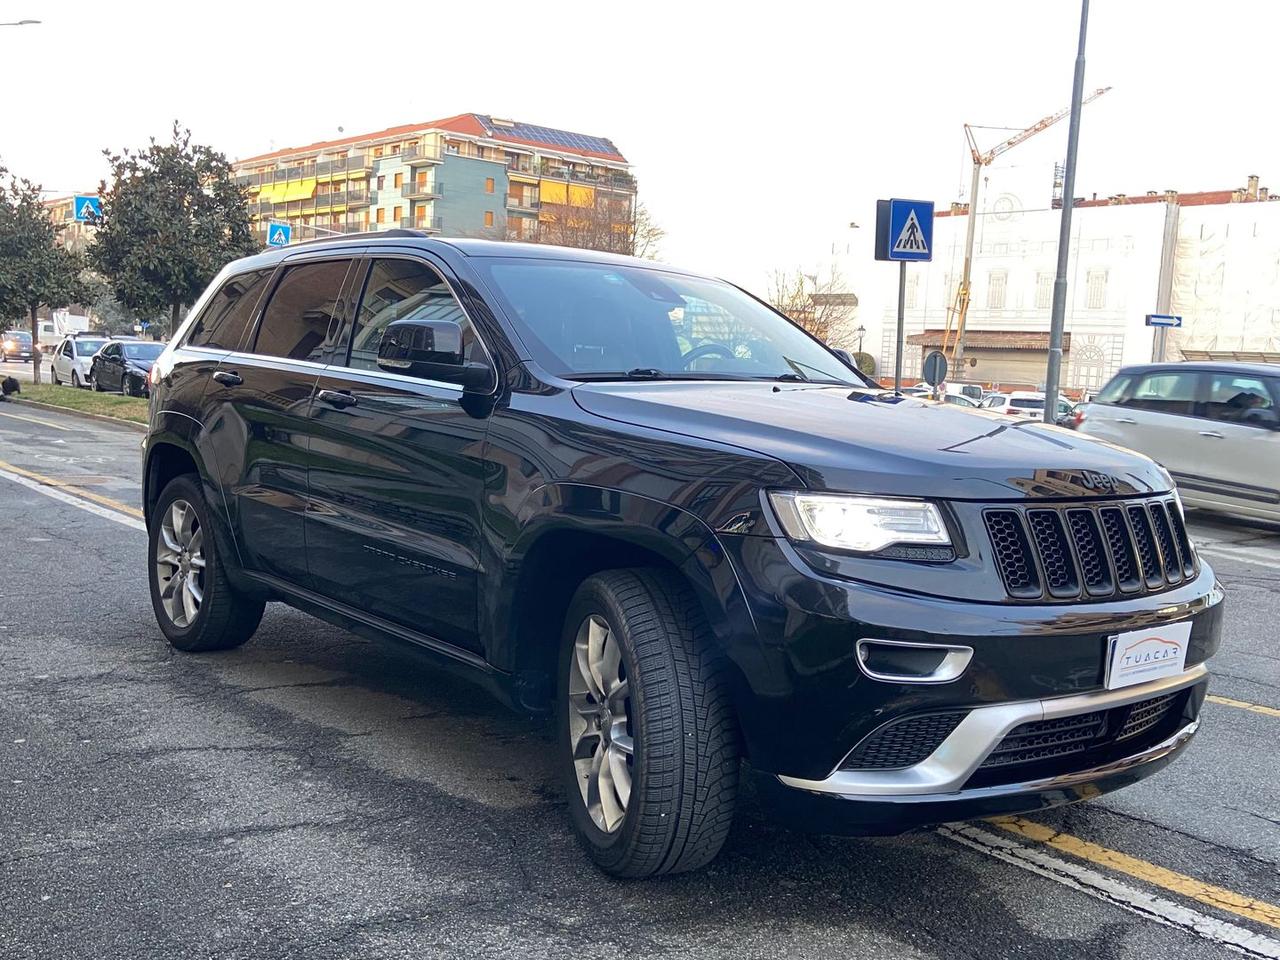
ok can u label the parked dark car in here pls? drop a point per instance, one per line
(123, 365)
(15, 345)
(645, 501)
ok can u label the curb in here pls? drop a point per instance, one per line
(69, 411)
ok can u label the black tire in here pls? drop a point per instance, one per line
(225, 617)
(75, 379)
(94, 385)
(685, 761)
(53, 376)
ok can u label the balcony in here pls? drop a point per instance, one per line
(522, 204)
(429, 224)
(416, 155)
(421, 191)
(525, 165)
(361, 163)
(613, 181)
(338, 198)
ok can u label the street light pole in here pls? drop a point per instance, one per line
(1058, 315)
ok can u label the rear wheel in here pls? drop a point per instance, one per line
(195, 604)
(648, 743)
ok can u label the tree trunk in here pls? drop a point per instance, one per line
(35, 339)
(173, 320)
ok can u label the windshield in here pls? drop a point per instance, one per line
(1027, 403)
(143, 351)
(603, 321)
(18, 335)
(86, 347)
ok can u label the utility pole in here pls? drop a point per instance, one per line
(1059, 312)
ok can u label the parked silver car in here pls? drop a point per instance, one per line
(1214, 426)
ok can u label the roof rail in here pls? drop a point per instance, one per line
(397, 232)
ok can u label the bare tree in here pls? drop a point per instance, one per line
(821, 305)
(612, 222)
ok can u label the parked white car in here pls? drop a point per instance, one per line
(1214, 426)
(1023, 403)
(72, 358)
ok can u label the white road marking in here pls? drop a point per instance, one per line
(1264, 556)
(1102, 887)
(74, 501)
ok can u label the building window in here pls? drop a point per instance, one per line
(488, 184)
(913, 285)
(488, 217)
(382, 182)
(1044, 291)
(1097, 290)
(377, 151)
(382, 214)
(397, 213)
(450, 146)
(399, 181)
(997, 280)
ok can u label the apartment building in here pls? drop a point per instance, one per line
(469, 175)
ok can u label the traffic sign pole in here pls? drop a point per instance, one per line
(902, 326)
(904, 231)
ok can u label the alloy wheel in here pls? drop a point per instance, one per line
(180, 563)
(600, 732)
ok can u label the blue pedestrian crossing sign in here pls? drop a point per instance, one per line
(279, 235)
(87, 207)
(904, 229)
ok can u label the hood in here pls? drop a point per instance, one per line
(140, 364)
(859, 441)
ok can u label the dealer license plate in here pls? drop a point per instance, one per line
(1137, 656)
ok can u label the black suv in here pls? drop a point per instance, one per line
(646, 501)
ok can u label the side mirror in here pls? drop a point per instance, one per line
(430, 350)
(847, 357)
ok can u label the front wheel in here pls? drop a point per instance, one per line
(53, 375)
(194, 602)
(648, 742)
(75, 379)
(94, 385)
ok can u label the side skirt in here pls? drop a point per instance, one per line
(436, 653)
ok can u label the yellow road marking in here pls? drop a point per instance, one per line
(70, 484)
(1257, 910)
(43, 423)
(1244, 705)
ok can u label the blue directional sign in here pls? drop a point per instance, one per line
(1163, 320)
(279, 235)
(904, 229)
(87, 207)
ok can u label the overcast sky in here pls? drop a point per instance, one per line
(757, 130)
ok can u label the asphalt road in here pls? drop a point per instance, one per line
(316, 795)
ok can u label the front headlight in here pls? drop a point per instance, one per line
(865, 524)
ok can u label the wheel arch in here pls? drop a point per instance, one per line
(584, 530)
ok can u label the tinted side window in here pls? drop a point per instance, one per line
(1165, 392)
(1235, 398)
(223, 322)
(297, 319)
(399, 290)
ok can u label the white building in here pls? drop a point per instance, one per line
(1213, 258)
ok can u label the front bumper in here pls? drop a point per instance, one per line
(805, 702)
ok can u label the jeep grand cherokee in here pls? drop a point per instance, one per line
(644, 500)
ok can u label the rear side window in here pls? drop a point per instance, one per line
(399, 290)
(1240, 398)
(1169, 391)
(223, 323)
(1114, 389)
(298, 318)
(1027, 403)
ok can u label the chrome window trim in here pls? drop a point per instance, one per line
(948, 768)
(953, 664)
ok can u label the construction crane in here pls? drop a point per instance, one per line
(959, 311)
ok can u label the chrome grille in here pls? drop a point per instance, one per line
(1090, 551)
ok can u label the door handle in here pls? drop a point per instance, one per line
(1125, 420)
(1214, 434)
(228, 378)
(337, 398)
